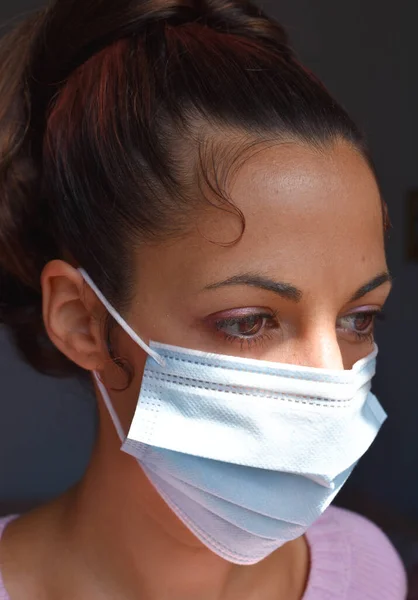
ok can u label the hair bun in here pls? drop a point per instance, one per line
(55, 56)
(245, 18)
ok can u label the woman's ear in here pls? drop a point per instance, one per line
(73, 315)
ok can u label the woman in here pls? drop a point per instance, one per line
(187, 215)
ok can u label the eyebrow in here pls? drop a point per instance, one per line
(371, 285)
(289, 291)
(286, 290)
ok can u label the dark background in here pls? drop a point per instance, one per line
(366, 51)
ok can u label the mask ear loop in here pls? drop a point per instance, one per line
(109, 406)
(127, 328)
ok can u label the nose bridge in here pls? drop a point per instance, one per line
(319, 348)
(326, 353)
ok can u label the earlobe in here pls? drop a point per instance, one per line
(72, 315)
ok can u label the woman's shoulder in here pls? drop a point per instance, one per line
(352, 558)
(3, 524)
(4, 521)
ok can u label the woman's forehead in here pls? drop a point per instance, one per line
(309, 215)
(296, 198)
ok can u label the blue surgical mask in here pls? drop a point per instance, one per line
(247, 453)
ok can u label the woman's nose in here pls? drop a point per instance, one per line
(323, 352)
(317, 348)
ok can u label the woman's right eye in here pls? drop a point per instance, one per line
(250, 327)
(244, 327)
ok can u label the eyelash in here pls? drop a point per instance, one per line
(374, 314)
(272, 319)
(257, 339)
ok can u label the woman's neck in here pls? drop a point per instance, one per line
(121, 524)
(113, 536)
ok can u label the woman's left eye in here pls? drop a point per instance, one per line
(360, 324)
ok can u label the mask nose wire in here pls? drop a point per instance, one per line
(127, 328)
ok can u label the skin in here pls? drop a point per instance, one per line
(314, 222)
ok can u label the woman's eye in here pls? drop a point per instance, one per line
(249, 327)
(360, 324)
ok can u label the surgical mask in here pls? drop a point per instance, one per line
(247, 453)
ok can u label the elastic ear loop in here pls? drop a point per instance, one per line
(109, 406)
(132, 334)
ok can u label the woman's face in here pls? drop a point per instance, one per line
(303, 284)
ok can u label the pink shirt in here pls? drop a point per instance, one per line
(351, 559)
